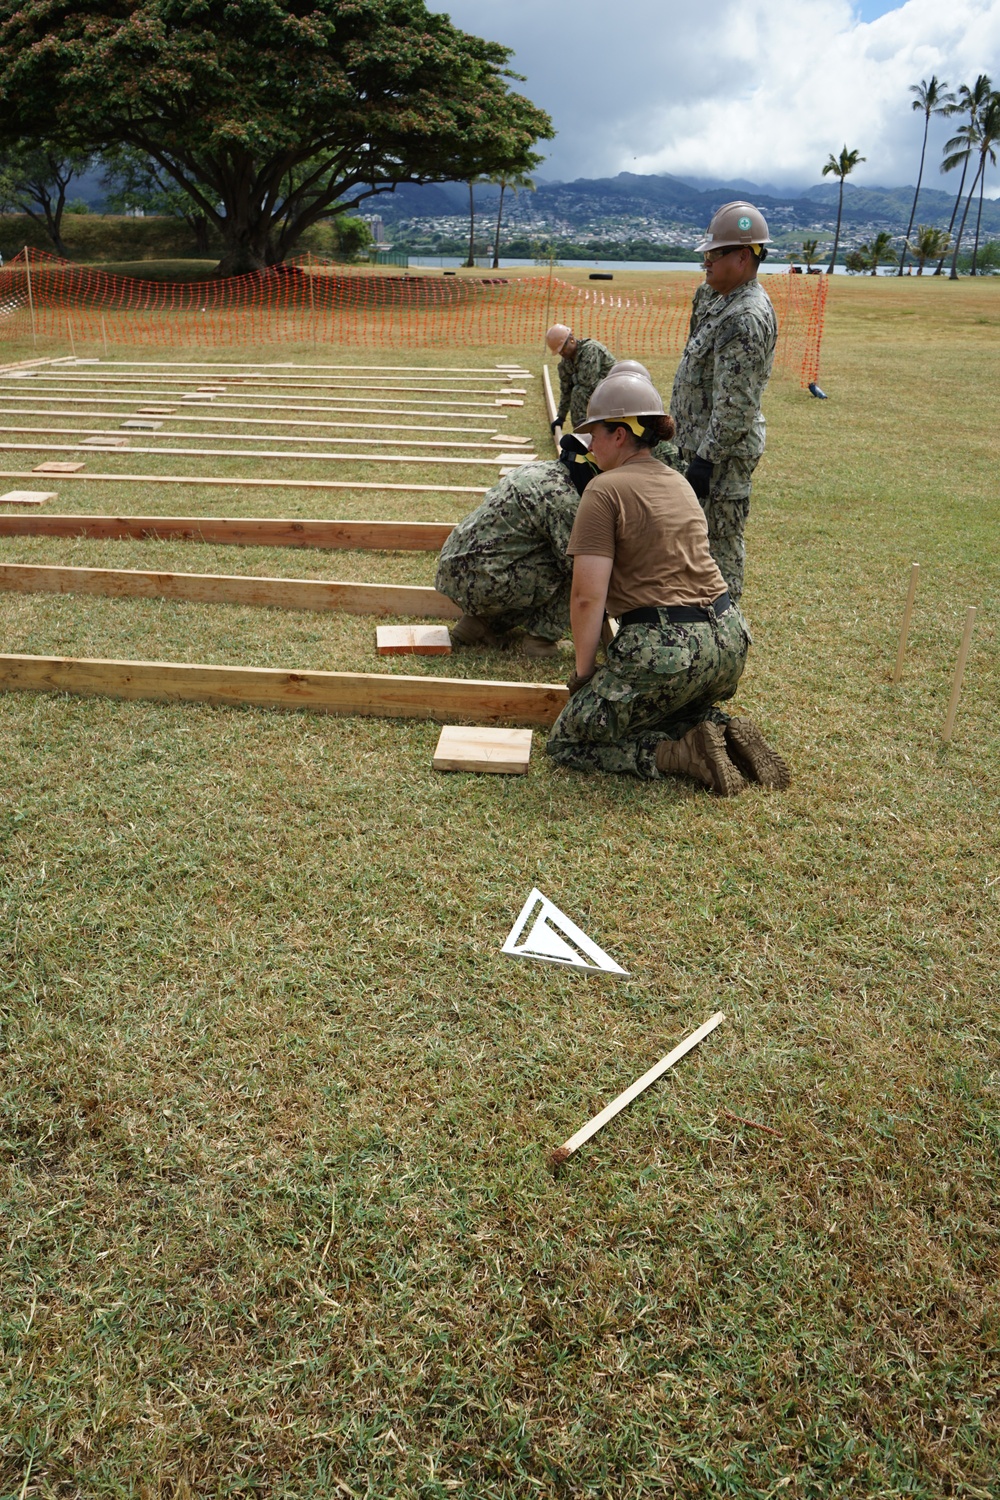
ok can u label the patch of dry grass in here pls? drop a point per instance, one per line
(276, 1109)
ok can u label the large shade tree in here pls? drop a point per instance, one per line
(267, 114)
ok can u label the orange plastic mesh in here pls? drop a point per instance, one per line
(310, 300)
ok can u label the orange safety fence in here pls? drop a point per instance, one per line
(307, 300)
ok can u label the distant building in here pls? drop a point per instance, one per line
(375, 224)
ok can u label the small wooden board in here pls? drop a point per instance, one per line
(156, 411)
(471, 748)
(142, 424)
(27, 497)
(104, 440)
(57, 466)
(413, 640)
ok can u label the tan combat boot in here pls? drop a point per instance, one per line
(702, 754)
(537, 646)
(754, 756)
(471, 631)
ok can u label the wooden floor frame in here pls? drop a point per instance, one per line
(239, 531)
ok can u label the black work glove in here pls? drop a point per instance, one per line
(576, 681)
(699, 476)
(556, 422)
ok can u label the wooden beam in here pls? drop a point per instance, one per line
(221, 588)
(418, 407)
(368, 458)
(273, 484)
(550, 405)
(91, 436)
(443, 699)
(96, 381)
(346, 536)
(267, 369)
(77, 406)
(26, 364)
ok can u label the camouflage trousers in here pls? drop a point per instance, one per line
(659, 682)
(529, 594)
(726, 511)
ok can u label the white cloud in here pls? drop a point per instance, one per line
(763, 89)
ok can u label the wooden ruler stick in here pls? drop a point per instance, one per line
(444, 699)
(904, 630)
(220, 588)
(345, 536)
(265, 484)
(563, 1152)
(956, 685)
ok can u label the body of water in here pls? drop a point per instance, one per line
(450, 262)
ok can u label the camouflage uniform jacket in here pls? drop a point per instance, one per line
(578, 377)
(723, 372)
(521, 528)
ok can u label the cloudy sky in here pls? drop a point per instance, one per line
(761, 89)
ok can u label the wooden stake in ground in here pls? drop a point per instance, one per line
(904, 630)
(563, 1152)
(956, 686)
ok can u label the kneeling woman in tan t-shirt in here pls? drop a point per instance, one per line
(640, 554)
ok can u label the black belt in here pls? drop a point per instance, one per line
(674, 614)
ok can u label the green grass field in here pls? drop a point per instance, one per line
(276, 1109)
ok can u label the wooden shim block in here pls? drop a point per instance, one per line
(221, 588)
(27, 497)
(445, 699)
(346, 536)
(412, 640)
(53, 465)
(243, 484)
(503, 751)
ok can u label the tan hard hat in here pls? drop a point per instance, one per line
(619, 397)
(557, 336)
(736, 223)
(628, 367)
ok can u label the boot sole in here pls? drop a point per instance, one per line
(755, 757)
(726, 778)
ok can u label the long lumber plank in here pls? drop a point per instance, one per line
(266, 369)
(262, 437)
(419, 406)
(368, 458)
(241, 484)
(222, 588)
(346, 536)
(83, 409)
(443, 699)
(297, 387)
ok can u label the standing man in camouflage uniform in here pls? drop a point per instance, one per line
(721, 378)
(506, 563)
(583, 364)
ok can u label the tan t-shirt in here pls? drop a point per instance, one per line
(648, 519)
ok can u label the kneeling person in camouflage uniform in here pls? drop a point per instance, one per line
(640, 550)
(506, 566)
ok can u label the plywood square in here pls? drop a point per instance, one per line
(142, 424)
(57, 466)
(27, 497)
(413, 640)
(471, 748)
(105, 440)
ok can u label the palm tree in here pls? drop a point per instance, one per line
(970, 101)
(981, 136)
(932, 100)
(990, 135)
(840, 166)
(879, 252)
(514, 181)
(929, 244)
(809, 251)
(473, 183)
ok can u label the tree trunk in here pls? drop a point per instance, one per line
(199, 226)
(979, 217)
(953, 273)
(920, 178)
(954, 213)
(472, 227)
(496, 242)
(836, 238)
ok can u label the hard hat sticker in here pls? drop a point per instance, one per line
(744, 222)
